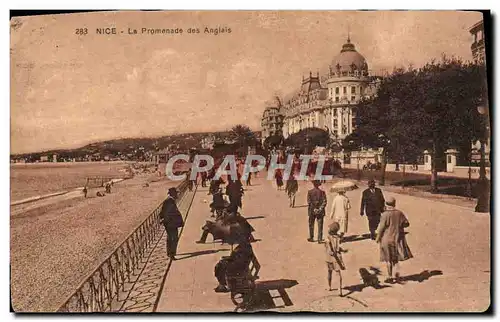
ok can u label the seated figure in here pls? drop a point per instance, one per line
(221, 228)
(234, 265)
(218, 202)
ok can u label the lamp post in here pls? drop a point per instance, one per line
(359, 171)
(351, 144)
(469, 182)
(483, 199)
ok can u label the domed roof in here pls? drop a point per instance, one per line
(349, 59)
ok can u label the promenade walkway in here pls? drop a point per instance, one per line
(450, 271)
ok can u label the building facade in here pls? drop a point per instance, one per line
(272, 119)
(477, 47)
(478, 50)
(330, 103)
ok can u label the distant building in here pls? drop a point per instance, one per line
(479, 55)
(208, 142)
(161, 156)
(54, 158)
(330, 103)
(44, 158)
(478, 47)
(272, 120)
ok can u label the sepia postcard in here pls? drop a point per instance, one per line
(250, 161)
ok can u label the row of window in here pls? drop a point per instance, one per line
(348, 73)
(335, 122)
(337, 99)
(344, 90)
(303, 107)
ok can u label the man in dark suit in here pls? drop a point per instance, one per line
(172, 220)
(372, 203)
(234, 190)
(316, 201)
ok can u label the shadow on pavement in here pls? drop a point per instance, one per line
(420, 277)
(264, 300)
(354, 238)
(369, 280)
(255, 217)
(201, 252)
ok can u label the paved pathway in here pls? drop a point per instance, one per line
(143, 293)
(450, 271)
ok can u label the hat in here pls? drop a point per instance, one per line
(390, 201)
(317, 183)
(333, 228)
(172, 191)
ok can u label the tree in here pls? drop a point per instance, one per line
(273, 141)
(431, 108)
(308, 138)
(242, 136)
(447, 95)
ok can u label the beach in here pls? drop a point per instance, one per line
(55, 245)
(34, 179)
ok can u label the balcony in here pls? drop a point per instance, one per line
(477, 44)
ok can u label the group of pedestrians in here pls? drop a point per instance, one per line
(385, 223)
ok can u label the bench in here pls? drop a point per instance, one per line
(242, 287)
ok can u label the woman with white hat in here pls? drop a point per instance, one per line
(340, 212)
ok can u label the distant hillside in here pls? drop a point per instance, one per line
(131, 145)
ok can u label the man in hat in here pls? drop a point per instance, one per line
(372, 204)
(235, 191)
(172, 220)
(316, 201)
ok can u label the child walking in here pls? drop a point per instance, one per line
(334, 260)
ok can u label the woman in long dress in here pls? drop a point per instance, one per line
(340, 212)
(279, 178)
(391, 236)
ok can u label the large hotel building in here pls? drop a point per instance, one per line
(328, 103)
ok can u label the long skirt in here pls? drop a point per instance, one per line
(395, 252)
(343, 222)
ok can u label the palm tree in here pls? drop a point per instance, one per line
(242, 136)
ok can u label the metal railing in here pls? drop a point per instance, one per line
(106, 287)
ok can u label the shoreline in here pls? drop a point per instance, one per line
(55, 194)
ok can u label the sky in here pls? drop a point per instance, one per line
(68, 90)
